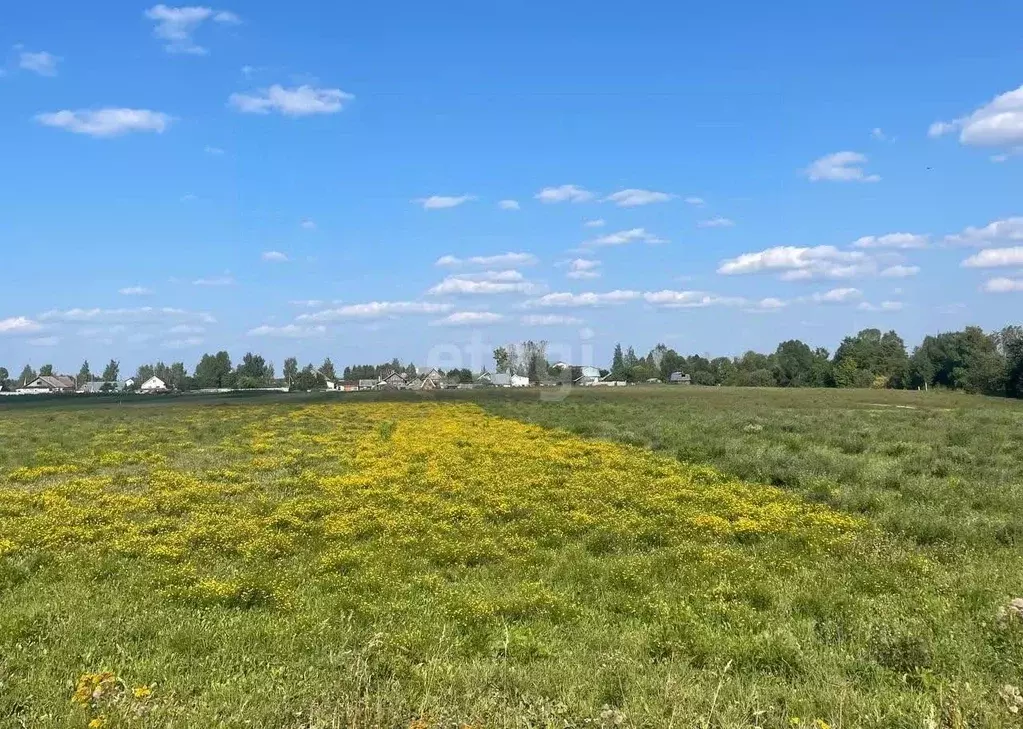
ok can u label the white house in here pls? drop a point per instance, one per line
(49, 384)
(502, 379)
(153, 384)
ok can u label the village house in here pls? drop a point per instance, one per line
(367, 384)
(679, 378)
(503, 379)
(49, 384)
(93, 388)
(393, 381)
(152, 385)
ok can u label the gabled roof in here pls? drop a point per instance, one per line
(98, 386)
(52, 382)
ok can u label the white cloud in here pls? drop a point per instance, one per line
(583, 268)
(307, 303)
(140, 314)
(696, 201)
(598, 223)
(584, 299)
(836, 296)
(892, 240)
(455, 285)
(995, 258)
(19, 325)
(186, 343)
(215, 151)
(215, 281)
(998, 123)
(689, 299)
(840, 167)
(878, 133)
(177, 25)
(44, 341)
(468, 318)
(501, 259)
(718, 222)
(623, 237)
(883, 306)
(1008, 229)
(135, 291)
(769, 304)
(102, 334)
(1003, 285)
(288, 331)
(508, 205)
(376, 310)
(106, 122)
(549, 320)
(506, 275)
(42, 63)
(274, 257)
(564, 193)
(900, 271)
(186, 329)
(189, 197)
(633, 198)
(307, 224)
(796, 263)
(302, 100)
(442, 202)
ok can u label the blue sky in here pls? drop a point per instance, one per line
(287, 178)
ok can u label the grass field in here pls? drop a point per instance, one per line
(646, 557)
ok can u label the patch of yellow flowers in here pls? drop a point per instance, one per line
(213, 501)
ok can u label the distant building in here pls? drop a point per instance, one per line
(92, 388)
(367, 384)
(678, 378)
(394, 380)
(153, 384)
(50, 384)
(502, 379)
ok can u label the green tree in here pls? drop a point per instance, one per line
(27, 375)
(793, 364)
(309, 379)
(501, 359)
(112, 372)
(252, 372)
(327, 369)
(820, 369)
(290, 370)
(143, 373)
(46, 370)
(177, 376)
(1010, 341)
(5, 376)
(618, 368)
(214, 371)
(84, 375)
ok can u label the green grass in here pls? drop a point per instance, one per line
(599, 627)
(941, 469)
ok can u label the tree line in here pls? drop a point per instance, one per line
(970, 360)
(989, 363)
